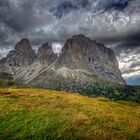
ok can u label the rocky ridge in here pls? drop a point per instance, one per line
(81, 59)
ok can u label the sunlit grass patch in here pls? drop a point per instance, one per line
(27, 113)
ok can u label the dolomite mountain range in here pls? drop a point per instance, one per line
(81, 60)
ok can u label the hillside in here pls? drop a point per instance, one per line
(47, 114)
(6, 79)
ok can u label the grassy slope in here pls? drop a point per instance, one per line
(46, 114)
(6, 79)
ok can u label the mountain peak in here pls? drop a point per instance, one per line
(22, 55)
(46, 45)
(42, 51)
(23, 46)
(82, 38)
(45, 53)
(79, 36)
(24, 40)
(80, 53)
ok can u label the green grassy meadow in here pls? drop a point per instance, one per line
(39, 114)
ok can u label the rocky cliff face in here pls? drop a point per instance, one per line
(22, 55)
(80, 52)
(46, 55)
(80, 58)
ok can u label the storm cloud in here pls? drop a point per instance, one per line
(116, 23)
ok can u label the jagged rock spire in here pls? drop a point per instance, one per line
(45, 54)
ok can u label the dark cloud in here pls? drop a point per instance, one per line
(135, 64)
(113, 22)
(67, 6)
(21, 18)
(17, 17)
(128, 43)
(117, 5)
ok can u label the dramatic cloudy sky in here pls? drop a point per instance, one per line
(113, 22)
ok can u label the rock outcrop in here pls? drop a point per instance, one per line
(80, 52)
(22, 55)
(81, 60)
(45, 54)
